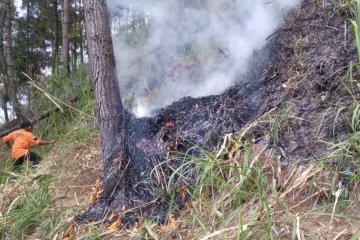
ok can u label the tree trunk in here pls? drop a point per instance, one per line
(81, 49)
(4, 91)
(81, 30)
(10, 72)
(28, 35)
(109, 108)
(5, 110)
(2, 55)
(56, 34)
(75, 25)
(65, 35)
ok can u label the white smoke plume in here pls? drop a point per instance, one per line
(168, 49)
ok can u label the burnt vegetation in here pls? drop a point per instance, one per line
(301, 75)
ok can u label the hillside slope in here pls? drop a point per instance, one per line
(292, 172)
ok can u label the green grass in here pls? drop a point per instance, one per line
(355, 8)
(28, 212)
(80, 113)
(279, 122)
(345, 151)
(6, 166)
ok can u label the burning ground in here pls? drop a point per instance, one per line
(298, 81)
(242, 164)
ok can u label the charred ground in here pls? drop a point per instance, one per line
(302, 70)
(309, 76)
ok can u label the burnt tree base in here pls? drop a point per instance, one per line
(185, 126)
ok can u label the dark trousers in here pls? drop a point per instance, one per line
(31, 156)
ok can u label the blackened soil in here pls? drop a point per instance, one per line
(301, 73)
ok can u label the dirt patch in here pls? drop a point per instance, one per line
(74, 171)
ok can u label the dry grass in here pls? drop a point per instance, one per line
(75, 174)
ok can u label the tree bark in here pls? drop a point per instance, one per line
(81, 33)
(5, 110)
(110, 112)
(75, 25)
(65, 35)
(2, 55)
(56, 34)
(4, 90)
(10, 70)
(28, 36)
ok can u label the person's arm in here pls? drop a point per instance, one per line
(35, 141)
(46, 142)
(7, 139)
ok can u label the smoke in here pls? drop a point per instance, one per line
(168, 49)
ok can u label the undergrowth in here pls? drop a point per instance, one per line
(244, 191)
(29, 213)
(26, 213)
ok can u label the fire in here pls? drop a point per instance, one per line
(68, 232)
(96, 192)
(183, 193)
(172, 225)
(116, 225)
(170, 124)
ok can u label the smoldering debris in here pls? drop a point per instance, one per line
(179, 127)
(201, 122)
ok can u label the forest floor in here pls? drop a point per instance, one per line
(292, 172)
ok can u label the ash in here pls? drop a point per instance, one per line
(184, 128)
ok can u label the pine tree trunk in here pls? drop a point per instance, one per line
(4, 91)
(75, 25)
(28, 33)
(81, 10)
(81, 49)
(56, 32)
(2, 55)
(65, 35)
(109, 108)
(10, 72)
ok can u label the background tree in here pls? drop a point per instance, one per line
(10, 69)
(56, 27)
(65, 35)
(4, 98)
(76, 35)
(34, 38)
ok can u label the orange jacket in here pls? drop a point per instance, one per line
(22, 140)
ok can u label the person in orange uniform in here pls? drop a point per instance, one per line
(22, 139)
